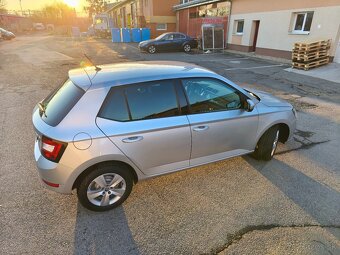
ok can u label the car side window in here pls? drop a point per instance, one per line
(178, 36)
(210, 95)
(115, 107)
(141, 101)
(169, 37)
(152, 100)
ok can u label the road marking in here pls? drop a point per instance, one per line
(225, 59)
(255, 67)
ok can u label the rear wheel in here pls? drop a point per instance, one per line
(105, 187)
(152, 49)
(266, 147)
(187, 48)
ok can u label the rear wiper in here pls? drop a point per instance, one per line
(42, 108)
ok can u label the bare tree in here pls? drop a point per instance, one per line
(95, 7)
(2, 6)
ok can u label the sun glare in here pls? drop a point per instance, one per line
(72, 3)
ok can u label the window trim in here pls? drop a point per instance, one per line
(242, 96)
(123, 88)
(301, 31)
(235, 27)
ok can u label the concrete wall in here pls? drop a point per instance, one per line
(275, 36)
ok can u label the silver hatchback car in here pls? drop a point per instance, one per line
(110, 126)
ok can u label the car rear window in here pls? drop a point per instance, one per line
(58, 104)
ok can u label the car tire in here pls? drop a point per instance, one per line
(98, 190)
(152, 49)
(266, 146)
(187, 48)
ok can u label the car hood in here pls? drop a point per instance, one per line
(147, 42)
(270, 100)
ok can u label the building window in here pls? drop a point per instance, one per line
(303, 22)
(161, 26)
(238, 27)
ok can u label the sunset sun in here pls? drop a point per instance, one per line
(72, 3)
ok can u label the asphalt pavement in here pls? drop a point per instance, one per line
(290, 205)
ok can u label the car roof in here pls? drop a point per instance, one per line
(134, 72)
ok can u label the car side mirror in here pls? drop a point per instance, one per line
(250, 105)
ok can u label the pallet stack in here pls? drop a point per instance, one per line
(309, 55)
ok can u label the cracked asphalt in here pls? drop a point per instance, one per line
(290, 205)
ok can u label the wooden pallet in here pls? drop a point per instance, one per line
(307, 66)
(311, 49)
(312, 45)
(309, 56)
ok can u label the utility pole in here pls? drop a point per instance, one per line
(22, 13)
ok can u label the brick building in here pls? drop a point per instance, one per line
(154, 14)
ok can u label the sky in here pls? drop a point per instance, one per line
(38, 4)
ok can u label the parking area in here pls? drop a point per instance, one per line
(290, 205)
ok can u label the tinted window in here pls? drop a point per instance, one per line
(115, 107)
(179, 36)
(209, 95)
(152, 100)
(60, 102)
(169, 37)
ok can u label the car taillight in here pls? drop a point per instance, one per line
(52, 149)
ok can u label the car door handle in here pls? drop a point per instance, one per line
(200, 128)
(132, 139)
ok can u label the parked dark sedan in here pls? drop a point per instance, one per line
(169, 42)
(4, 34)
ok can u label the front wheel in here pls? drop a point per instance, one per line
(105, 187)
(187, 48)
(151, 49)
(266, 147)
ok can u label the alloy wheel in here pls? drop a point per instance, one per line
(187, 48)
(106, 189)
(152, 49)
(276, 140)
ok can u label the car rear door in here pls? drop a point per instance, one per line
(144, 121)
(179, 40)
(220, 127)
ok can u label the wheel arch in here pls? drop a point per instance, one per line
(284, 132)
(90, 168)
(283, 128)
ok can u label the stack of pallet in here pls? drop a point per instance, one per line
(309, 55)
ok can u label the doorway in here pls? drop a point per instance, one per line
(256, 25)
(212, 37)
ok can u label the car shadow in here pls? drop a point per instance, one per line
(103, 233)
(316, 198)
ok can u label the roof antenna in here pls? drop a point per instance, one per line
(97, 68)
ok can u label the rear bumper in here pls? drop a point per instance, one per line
(53, 175)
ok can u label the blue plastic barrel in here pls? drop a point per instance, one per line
(136, 34)
(146, 34)
(126, 34)
(115, 32)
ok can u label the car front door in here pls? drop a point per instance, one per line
(166, 43)
(143, 120)
(220, 126)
